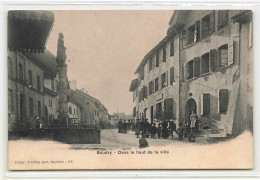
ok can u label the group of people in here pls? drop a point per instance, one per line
(123, 125)
(168, 128)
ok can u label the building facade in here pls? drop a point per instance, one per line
(156, 90)
(51, 100)
(25, 91)
(213, 69)
(93, 113)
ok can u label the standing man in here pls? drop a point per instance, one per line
(159, 131)
(120, 126)
(197, 126)
(192, 126)
(124, 126)
(137, 128)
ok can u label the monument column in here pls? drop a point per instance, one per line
(63, 81)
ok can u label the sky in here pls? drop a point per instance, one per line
(105, 48)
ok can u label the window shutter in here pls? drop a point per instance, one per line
(201, 104)
(184, 38)
(166, 78)
(212, 21)
(184, 70)
(230, 52)
(172, 48)
(196, 67)
(171, 75)
(213, 59)
(160, 82)
(197, 26)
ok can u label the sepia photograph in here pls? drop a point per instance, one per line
(130, 89)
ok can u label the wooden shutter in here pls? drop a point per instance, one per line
(184, 71)
(198, 30)
(213, 59)
(230, 52)
(206, 104)
(184, 38)
(171, 75)
(212, 22)
(201, 104)
(164, 54)
(166, 78)
(196, 69)
(172, 48)
(159, 82)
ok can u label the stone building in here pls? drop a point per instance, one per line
(92, 111)
(156, 90)
(216, 68)
(213, 69)
(25, 90)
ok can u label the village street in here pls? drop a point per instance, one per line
(111, 139)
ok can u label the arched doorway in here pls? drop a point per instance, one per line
(189, 107)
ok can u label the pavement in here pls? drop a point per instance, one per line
(111, 139)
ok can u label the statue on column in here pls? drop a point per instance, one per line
(61, 50)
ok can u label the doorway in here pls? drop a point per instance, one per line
(189, 107)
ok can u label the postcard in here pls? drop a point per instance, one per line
(130, 89)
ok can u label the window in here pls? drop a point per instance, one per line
(22, 107)
(74, 111)
(157, 59)
(172, 48)
(223, 17)
(205, 63)
(50, 103)
(163, 80)
(142, 73)
(208, 24)
(223, 100)
(223, 56)
(164, 54)
(190, 69)
(151, 88)
(213, 59)
(20, 72)
(38, 83)
(184, 38)
(10, 100)
(31, 106)
(172, 75)
(10, 72)
(70, 110)
(159, 109)
(156, 84)
(30, 82)
(140, 96)
(191, 35)
(39, 109)
(205, 104)
(52, 84)
(144, 93)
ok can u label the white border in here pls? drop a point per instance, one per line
(185, 4)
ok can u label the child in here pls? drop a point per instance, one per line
(143, 142)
